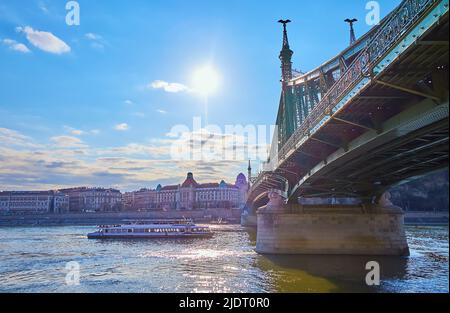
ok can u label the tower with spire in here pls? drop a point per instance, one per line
(286, 55)
(249, 173)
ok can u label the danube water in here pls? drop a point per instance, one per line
(34, 260)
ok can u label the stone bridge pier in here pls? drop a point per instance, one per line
(373, 229)
(249, 217)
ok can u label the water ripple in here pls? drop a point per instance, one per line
(34, 260)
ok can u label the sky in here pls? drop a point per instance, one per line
(95, 104)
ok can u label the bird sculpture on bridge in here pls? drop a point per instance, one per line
(352, 30)
(284, 22)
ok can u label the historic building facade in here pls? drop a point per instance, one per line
(83, 199)
(190, 195)
(33, 202)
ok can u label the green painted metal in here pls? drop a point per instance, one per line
(307, 102)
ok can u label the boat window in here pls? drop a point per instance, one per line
(130, 230)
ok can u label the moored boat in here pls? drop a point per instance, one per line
(152, 229)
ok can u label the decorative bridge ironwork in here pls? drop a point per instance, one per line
(391, 30)
(308, 102)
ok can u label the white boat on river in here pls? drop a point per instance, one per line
(152, 229)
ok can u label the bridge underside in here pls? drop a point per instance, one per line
(374, 169)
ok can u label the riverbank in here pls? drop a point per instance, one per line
(426, 218)
(92, 219)
(232, 216)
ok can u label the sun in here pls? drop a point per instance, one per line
(206, 80)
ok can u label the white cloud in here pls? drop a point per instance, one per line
(161, 111)
(16, 46)
(128, 102)
(79, 132)
(92, 36)
(73, 131)
(138, 114)
(135, 149)
(169, 87)
(63, 164)
(9, 137)
(97, 41)
(67, 142)
(122, 127)
(97, 45)
(43, 7)
(45, 41)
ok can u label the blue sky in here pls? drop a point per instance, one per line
(77, 106)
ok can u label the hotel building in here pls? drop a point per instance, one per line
(190, 195)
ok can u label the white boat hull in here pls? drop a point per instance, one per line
(98, 235)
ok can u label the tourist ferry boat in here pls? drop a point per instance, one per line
(152, 229)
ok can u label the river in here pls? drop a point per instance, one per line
(35, 259)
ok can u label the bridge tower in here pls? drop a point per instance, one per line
(286, 56)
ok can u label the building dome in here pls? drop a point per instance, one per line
(190, 181)
(241, 180)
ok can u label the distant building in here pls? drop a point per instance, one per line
(33, 202)
(190, 195)
(83, 199)
(143, 199)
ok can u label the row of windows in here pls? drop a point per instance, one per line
(25, 199)
(28, 199)
(201, 196)
(215, 197)
(15, 204)
(158, 230)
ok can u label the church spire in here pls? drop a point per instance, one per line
(286, 55)
(249, 172)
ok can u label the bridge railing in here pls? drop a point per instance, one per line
(272, 182)
(405, 15)
(258, 181)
